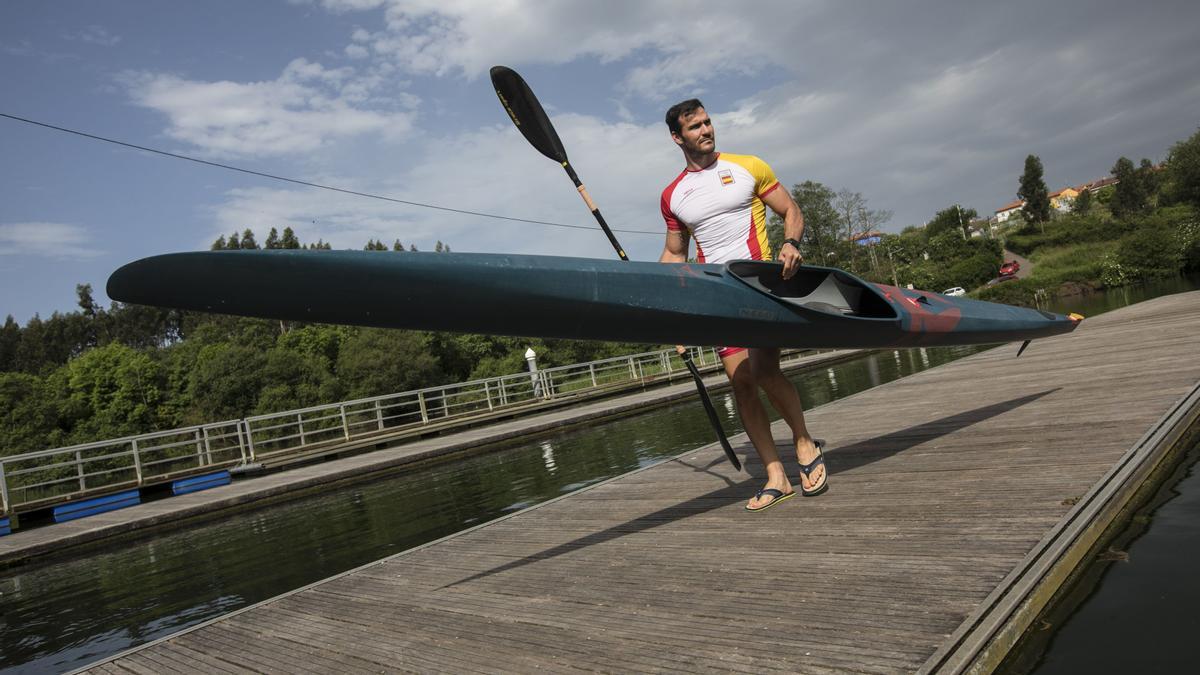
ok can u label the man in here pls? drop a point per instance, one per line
(719, 200)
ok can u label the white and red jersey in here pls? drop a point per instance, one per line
(722, 205)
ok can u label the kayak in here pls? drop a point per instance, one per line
(742, 303)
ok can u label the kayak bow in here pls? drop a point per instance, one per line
(743, 303)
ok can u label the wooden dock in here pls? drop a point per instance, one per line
(960, 499)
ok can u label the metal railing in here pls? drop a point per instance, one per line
(41, 478)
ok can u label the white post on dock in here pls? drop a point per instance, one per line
(531, 359)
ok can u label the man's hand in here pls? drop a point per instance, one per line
(791, 259)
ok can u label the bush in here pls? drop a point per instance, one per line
(1150, 252)
(972, 272)
(1019, 292)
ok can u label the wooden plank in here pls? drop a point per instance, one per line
(943, 483)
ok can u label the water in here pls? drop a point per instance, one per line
(68, 613)
(1139, 598)
(1098, 303)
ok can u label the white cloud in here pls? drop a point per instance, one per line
(307, 107)
(97, 35)
(51, 240)
(467, 37)
(488, 170)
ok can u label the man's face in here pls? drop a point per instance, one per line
(696, 133)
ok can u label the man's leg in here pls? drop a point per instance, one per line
(756, 423)
(764, 366)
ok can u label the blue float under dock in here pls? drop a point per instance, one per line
(90, 507)
(5, 526)
(198, 483)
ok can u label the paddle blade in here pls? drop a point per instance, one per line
(523, 107)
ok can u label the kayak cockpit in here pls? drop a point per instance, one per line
(817, 288)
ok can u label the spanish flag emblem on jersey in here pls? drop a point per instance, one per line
(726, 177)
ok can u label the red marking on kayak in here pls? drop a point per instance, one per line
(941, 317)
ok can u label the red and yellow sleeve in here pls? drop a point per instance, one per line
(764, 178)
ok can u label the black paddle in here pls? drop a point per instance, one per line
(527, 113)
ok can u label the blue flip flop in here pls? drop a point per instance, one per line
(771, 492)
(807, 470)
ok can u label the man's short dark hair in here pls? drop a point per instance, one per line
(681, 109)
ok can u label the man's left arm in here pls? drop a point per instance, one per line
(781, 202)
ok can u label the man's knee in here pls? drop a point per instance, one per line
(743, 382)
(765, 366)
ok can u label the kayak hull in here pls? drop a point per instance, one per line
(742, 303)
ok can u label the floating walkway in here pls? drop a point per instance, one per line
(384, 452)
(961, 498)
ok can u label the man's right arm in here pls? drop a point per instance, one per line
(676, 248)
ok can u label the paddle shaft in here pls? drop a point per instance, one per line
(587, 199)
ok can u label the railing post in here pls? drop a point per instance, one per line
(300, 424)
(3, 490)
(79, 469)
(199, 449)
(592, 371)
(250, 440)
(445, 408)
(379, 414)
(487, 392)
(207, 446)
(137, 461)
(345, 425)
(632, 370)
(424, 412)
(503, 393)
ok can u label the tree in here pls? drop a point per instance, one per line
(234, 242)
(272, 241)
(289, 240)
(111, 391)
(1083, 203)
(1183, 170)
(218, 245)
(10, 337)
(377, 361)
(412, 247)
(248, 242)
(1151, 178)
(820, 222)
(954, 218)
(1130, 197)
(28, 415)
(1033, 191)
(89, 312)
(438, 248)
(397, 246)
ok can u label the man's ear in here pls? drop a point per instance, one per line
(677, 138)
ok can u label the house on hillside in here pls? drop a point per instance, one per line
(1008, 210)
(1061, 200)
(1097, 185)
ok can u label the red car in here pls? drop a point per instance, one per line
(1009, 267)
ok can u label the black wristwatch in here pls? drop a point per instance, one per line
(793, 242)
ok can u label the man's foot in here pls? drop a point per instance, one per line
(813, 475)
(768, 497)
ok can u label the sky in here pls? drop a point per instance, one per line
(917, 105)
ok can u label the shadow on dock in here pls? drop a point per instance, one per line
(845, 458)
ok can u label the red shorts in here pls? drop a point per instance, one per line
(726, 352)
